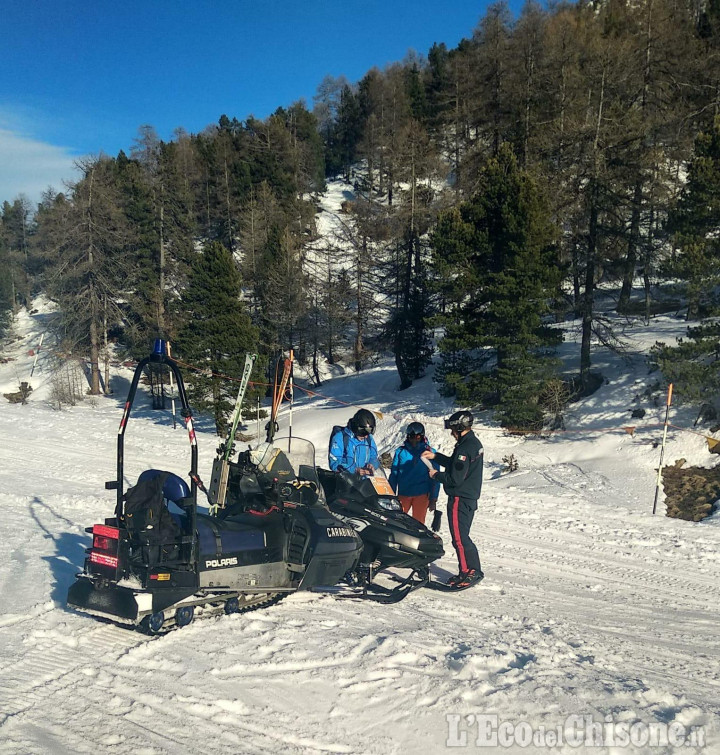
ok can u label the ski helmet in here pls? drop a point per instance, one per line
(362, 422)
(460, 421)
(415, 429)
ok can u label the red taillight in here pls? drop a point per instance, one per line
(102, 529)
(103, 560)
(102, 543)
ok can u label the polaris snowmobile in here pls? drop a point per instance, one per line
(158, 558)
(390, 537)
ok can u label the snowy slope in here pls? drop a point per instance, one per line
(590, 606)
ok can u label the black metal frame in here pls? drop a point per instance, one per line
(158, 357)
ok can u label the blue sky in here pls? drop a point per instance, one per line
(81, 77)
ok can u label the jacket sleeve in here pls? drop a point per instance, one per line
(395, 471)
(456, 470)
(441, 459)
(374, 458)
(336, 455)
(434, 490)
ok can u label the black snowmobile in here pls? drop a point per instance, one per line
(158, 558)
(390, 537)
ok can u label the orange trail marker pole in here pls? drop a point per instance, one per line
(662, 450)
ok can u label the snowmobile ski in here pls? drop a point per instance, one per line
(445, 587)
(369, 590)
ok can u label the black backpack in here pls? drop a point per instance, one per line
(149, 522)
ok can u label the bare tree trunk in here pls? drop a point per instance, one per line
(589, 293)
(359, 312)
(631, 259)
(94, 350)
(161, 292)
(227, 202)
(106, 348)
(330, 330)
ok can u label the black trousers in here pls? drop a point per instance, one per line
(460, 512)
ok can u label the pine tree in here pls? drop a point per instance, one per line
(17, 228)
(495, 274)
(217, 332)
(694, 364)
(695, 225)
(406, 279)
(6, 287)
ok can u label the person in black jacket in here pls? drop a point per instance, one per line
(462, 481)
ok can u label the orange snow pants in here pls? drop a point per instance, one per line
(418, 503)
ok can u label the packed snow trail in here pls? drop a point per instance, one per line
(590, 606)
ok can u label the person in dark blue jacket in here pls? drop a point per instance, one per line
(352, 448)
(462, 481)
(410, 478)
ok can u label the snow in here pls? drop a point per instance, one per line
(590, 606)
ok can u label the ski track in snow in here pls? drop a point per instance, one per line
(590, 605)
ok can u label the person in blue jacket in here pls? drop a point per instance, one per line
(410, 478)
(352, 448)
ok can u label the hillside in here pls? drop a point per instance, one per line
(591, 606)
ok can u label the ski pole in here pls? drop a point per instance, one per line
(662, 450)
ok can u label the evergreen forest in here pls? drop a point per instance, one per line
(499, 188)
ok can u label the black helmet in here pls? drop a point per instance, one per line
(415, 429)
(362, 422)
(459, 421)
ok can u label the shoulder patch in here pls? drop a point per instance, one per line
(462, 458)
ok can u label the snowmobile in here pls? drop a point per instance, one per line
(390, 537)
(158, 558)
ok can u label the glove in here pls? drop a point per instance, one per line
(432, 505)
(437, 518)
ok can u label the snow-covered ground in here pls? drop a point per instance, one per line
(591, 606)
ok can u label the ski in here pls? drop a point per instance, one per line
(279, 391)
(227, 448)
